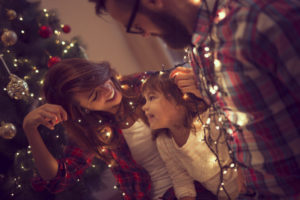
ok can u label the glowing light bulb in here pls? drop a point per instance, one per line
(185, 96)
(222, 14)
(208, 121)
(217, 64)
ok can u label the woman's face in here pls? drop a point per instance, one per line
(103, 98)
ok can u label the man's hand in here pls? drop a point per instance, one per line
(185, 80)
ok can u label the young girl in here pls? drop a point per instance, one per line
(100, 114)
(190, 153)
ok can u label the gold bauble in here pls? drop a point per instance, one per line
(106, 134)
(7, 130)
(17, 88)
(11, 14)
(9, 38)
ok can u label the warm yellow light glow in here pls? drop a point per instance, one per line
(208, 121)
(222, 14)
(125, 87)
(56, 32)
(217, 65)
(207, 55)
(185, 96)
(119, 77)
(206, 48)
(196, 1)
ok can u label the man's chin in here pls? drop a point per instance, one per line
(176, 44)
(173, 45)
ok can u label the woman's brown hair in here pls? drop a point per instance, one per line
(160, 82)
(76, 75)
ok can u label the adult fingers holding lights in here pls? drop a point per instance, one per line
(184, 79)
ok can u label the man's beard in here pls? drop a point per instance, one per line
(174, 33)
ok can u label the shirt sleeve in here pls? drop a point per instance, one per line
(70, 169)
(183, 183)
(276, 46)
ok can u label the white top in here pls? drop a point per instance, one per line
(145, 153)
(195, 161)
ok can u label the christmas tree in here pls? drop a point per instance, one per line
(31, 42)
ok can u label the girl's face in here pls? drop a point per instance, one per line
(161, 112)
(103, 98)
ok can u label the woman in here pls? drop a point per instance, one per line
(101, 115)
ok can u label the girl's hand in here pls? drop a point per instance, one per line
(48, 115)
(185, 80)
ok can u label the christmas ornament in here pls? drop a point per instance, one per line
(106, 134)
(53, 60)
(11, 14)
(7, 130)
(45, 31)
(17, 88)
(9, 37)
(66, 28)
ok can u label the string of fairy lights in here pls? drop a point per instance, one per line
(203, 58)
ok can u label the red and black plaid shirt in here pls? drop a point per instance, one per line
(134, 181)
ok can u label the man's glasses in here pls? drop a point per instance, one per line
(130, 29)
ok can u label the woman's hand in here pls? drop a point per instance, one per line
(48, 115)
(184, 79)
